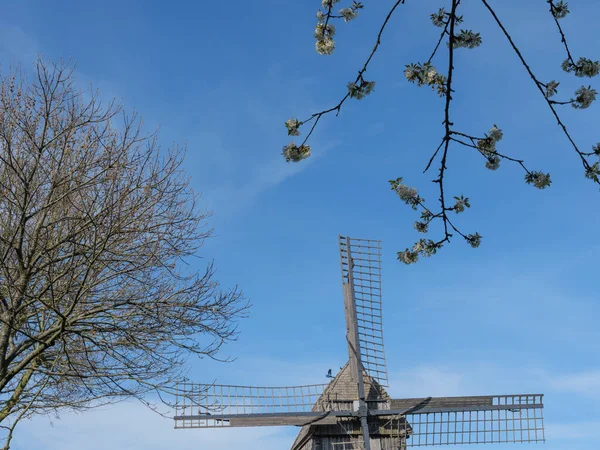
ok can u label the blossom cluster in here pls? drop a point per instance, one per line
(560, 10)
(467, 39)
(584, 67)
(584, 96)
(328, 4)
(551, 88)
(348, 14)
(324, 35)
(487, 147)
(426, 217)
(361, 89)
(407, 194)
(292, 126)
(424, 247)
(461, 203)
(539, 179)
(291, 152)
(325, 31)
(439, 18)
(474, 240)
(421, 227)
(593, 172)
(426, 74)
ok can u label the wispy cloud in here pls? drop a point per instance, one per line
(257, 370)
(236, 149)
(17, 46)
(426, 381)
(465, 378)
(574, 430)
(584, 383)
(132, 426)
(229, 199)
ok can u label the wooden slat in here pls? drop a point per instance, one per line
(437, 402)
(471, 403)
(277, 421)
(251, 420)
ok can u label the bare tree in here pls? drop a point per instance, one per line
(426, 74)
(97, 301)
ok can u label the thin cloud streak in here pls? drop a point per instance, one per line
(584, 383)
(129, 426)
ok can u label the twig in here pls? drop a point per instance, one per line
(317, 116)
(586, 165)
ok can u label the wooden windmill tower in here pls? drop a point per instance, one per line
(354, 411)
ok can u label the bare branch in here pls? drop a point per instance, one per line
(96, 223)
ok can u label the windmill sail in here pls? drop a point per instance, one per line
(467, 420)
(362, 257)
(216, 406)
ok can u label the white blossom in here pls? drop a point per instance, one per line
(474, 240)
(426, 74)
(492, 163)
(467, 39)
(430, 75)
(539, 179)
(408, 257)
(323, 31)
(438, 18)
(460, 204)
(424, 247)
(584, 96)
(588, 68)
(551, 88)
(406, 193)
(411, 73)
(293, 153)
(421, 227)
(418, 247)
(324, 34)
(495, 133)
(348, 14)
(486, 145)
(560, 10)
(328, 3)
(320, 16)
(361, 90)
(292, 127)
(325, 46)
(584, 67)
(593, 172)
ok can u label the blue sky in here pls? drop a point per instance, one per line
(518, 315)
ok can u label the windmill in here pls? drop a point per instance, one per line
(354, 411)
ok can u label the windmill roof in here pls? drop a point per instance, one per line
(340, 395)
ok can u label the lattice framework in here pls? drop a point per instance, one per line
(506, 419)
(366, 273)
(209, 403)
